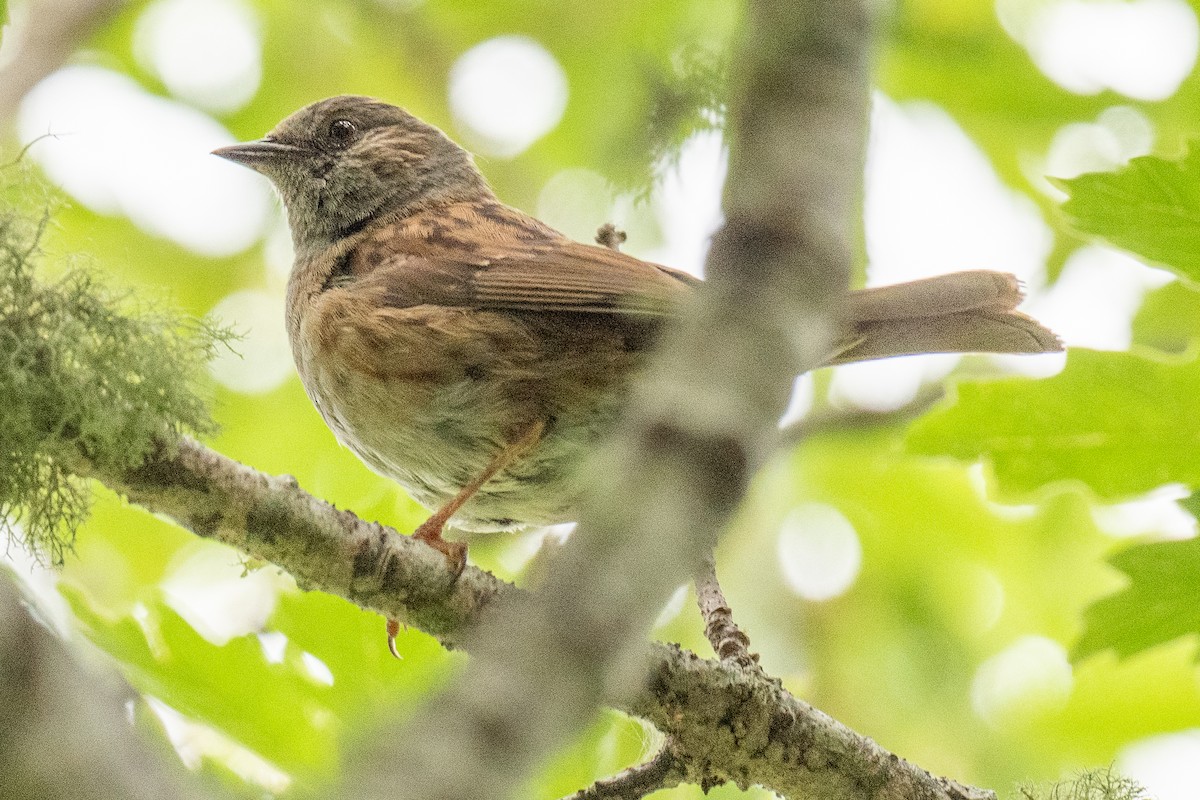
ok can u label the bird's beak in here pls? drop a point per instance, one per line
(257, 154)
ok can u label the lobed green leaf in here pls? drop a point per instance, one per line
(1150, 208)
(1121, 423)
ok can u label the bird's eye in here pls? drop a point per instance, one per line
(342, 132)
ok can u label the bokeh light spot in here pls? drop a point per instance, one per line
(120, 150)
(262, 359)
(195, 742)
(1030, 677)
(934, 203)
(687, 202)
(819, 551)
(887, 384)
(673, 607)
(1157, 512)
(1118, 134)
(1164, 765)
(1142, 49)
(1094, 300)
(206, 52)
(317, 669)
(577, 201)
(209, 589)
(507, 92)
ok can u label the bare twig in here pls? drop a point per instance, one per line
(608, 235)
(727, 639)
(665, 770)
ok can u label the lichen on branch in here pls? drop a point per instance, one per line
(86, 372)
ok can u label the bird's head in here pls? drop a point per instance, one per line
(342, 162)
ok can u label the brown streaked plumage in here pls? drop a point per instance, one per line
(474, 354)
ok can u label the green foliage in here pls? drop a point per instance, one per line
(84, 373)
(1100, 784)
(1121, 423)
(1161, 603)
(1113, 421)
(947, 580)
(1151, 208)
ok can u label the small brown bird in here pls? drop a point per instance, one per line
(476, 355)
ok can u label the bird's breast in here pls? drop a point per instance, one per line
(429, 395)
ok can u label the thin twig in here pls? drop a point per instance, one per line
(610, 236)
(666, 770)
(836, 419)
(727, 639)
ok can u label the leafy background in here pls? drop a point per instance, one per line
(959, 588)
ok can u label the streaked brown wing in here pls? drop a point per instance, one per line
(510, 261)
(570, 276)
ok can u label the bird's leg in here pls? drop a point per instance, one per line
(430, 531)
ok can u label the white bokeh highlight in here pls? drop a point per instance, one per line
(274, 646)
(1165, 765)
(1118, 134)
(673, 607)
(317, 669)
(1096, 296)
(507, 92)
(1030, 677)
(217, 597)
(819, 551)
(120, 150)
(801, 401)
(577, 201)
(887, 384)
(194, 742)
(206, 52)
(261, 360)
(687, 202)
(934, 204)
(1156, 513)
(1142, 49)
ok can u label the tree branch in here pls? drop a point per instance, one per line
(727, 639)
(728, 723)
(46, 33)
(698, 425)
(666, 770)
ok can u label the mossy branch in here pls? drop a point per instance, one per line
(83, 370)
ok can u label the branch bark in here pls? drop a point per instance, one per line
(727, 639)
(698, 426)
(45, 34)
(727, 723)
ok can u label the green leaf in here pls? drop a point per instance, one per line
(1150, 208)
(1169, 319)
(1119, 422)
(1161, 603)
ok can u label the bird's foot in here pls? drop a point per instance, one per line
(430, 532)
(393, 630)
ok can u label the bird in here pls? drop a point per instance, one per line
(476, 355)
